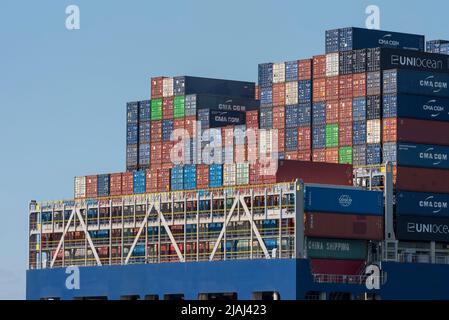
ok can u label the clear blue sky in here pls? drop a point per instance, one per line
(63, 93)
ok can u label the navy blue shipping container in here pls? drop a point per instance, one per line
(422, 155)
(177, 178)
(291, 70)
(373, 154)
(291, 116)
(359, 61)
(204, 118)
(305, 115)
(358, 38)
(359, 155)
(132, 112)
(305, 91)
(132, 133)
(167, 129)
(144, 155)
(417, 228)
(319, 113)
(186, 85)
(319, 137)
(139, 181)
(131, 157)
(291, 139)
(189, 177)
(266, 96)
(373, 107)
(266, 118)
(373, 59)
(343, 200)
(215, 176)
(346, 62)
(389, 152)
(422, 204)
(332, 40)
(359, 133)
(413, 60)
(373, 83)
(103, 185)
(416, 82)
(219, 118)
(144, 131)
(265, 75)
(195, 102)
(145, 110)
(416, 107)
(359, 109)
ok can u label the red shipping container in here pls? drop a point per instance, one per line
(127, 183)
(319, 90)
(359, 85)
(163, 182)
(304, 139)
(227, 136)
(423, 131)
(309, 172)
(240, 153)
(166, 152)
(91, 186)
(305, 69)
(157, 87)
(151, 185)
(336, 267)
(389, 130)
(257, 93)
(279, 94)
(166, 165)
(345, 86)
(422, 180)
(304, 155)
(252, 119)
(115, 184)
(167, 108)
(156, 153)
(345, 134)
(202, 176)
(332, 155)
(178, 124)
(345, 111)
(252, 153)
(291, 155)
(319, 66)
(254, 174)
(332, 112)
(190, 126)
(344, 226)
(281, 140)
(319, 155)
(279, 117)
(156, 131)
(332, 84)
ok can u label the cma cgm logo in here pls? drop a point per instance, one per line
(433, 107)
(438, 158)
(345, 200)
(430, 82)
(386, 40)
(430, 202)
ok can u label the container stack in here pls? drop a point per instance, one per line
(437, 46)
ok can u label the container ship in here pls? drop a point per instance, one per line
(328, 179)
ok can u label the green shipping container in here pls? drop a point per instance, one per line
(156, 109)
(343, 249)
(331, 135)
(345, 155)
(178, 107)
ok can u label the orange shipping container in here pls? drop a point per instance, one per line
(151, 185)
(345, 87)
(390, 129)
(279, 94)
(157, 87)
(304, 155)
(202, 176)
(291, 155)
(156, 131)
(332, 84)
(257, 95)
(319, 90)
(332, 112)
(305, 69)
(319, 155)
(332, 155)
(91, 186)
(167, 108)
(278, 117)
(127, 183)
(115, 182)
(304, 139)
(319, 66)
(359, 85)
(345, 111)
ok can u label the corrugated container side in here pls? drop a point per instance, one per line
(304, 139)
(346, 62)
(373, 154)
(359, 85)
(266, 96)
(373, 83)
(156, 109)
(91, 186)
(319, 66)
(319, 155)
(389, 130)
(345, 87)
(291, 70)
(215, 176)
(345, 134)
(167, 108)
(139, 185)
(319, 136)
(80, 187)
(332, 64)
(127, 183)
(332, 136)
(145, 110)
(423, 155)
(414, 228)
(359, 109)
(131, 157)
(305, 91)
(373, 131)
(132, 112)
(359, 155)
(144, 155)
(323, 267)
(345, 111)
(305, 115)
(359, 133)
(103, 185)
(278, 72)
(229, 174)
(332, 88)
(422, 131)
(422, 204)
(305, 69)
(291, 92)
(115, 184)
(332, 155)
(319, 90)
(265, 75)
(332, 112)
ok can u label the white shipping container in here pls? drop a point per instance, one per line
(332, 64)
(291, 93)
(80, 187)
(373, 131)
(167, 87)
(242, 176)
(278, 72)
(229, 174)
(266, 141)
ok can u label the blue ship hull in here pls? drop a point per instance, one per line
(290, 278)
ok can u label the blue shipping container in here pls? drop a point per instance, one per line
(189, 177)
(266, 118)
(416, 82)
(144, 154)
(139, 181)
(266, 96)
(265, 75)
(219, 118)
(291, 70)
(422, 204)
(167, 129)
(291, 116)
(291, 139)
(359, 132)
(343, 200)
(144, 131)
(132, 112)
(145, 110)
(103, 185)
(332, 40)
(389, 152)
(131, 156)
(177, 178)
(359, 109)
(359, 155)
(416, 107)
(304, 115)
(215, 176)
(305, 91)
(373, 154)
(318, 137)
(132, 133)
(422, 155)
(319, 113)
